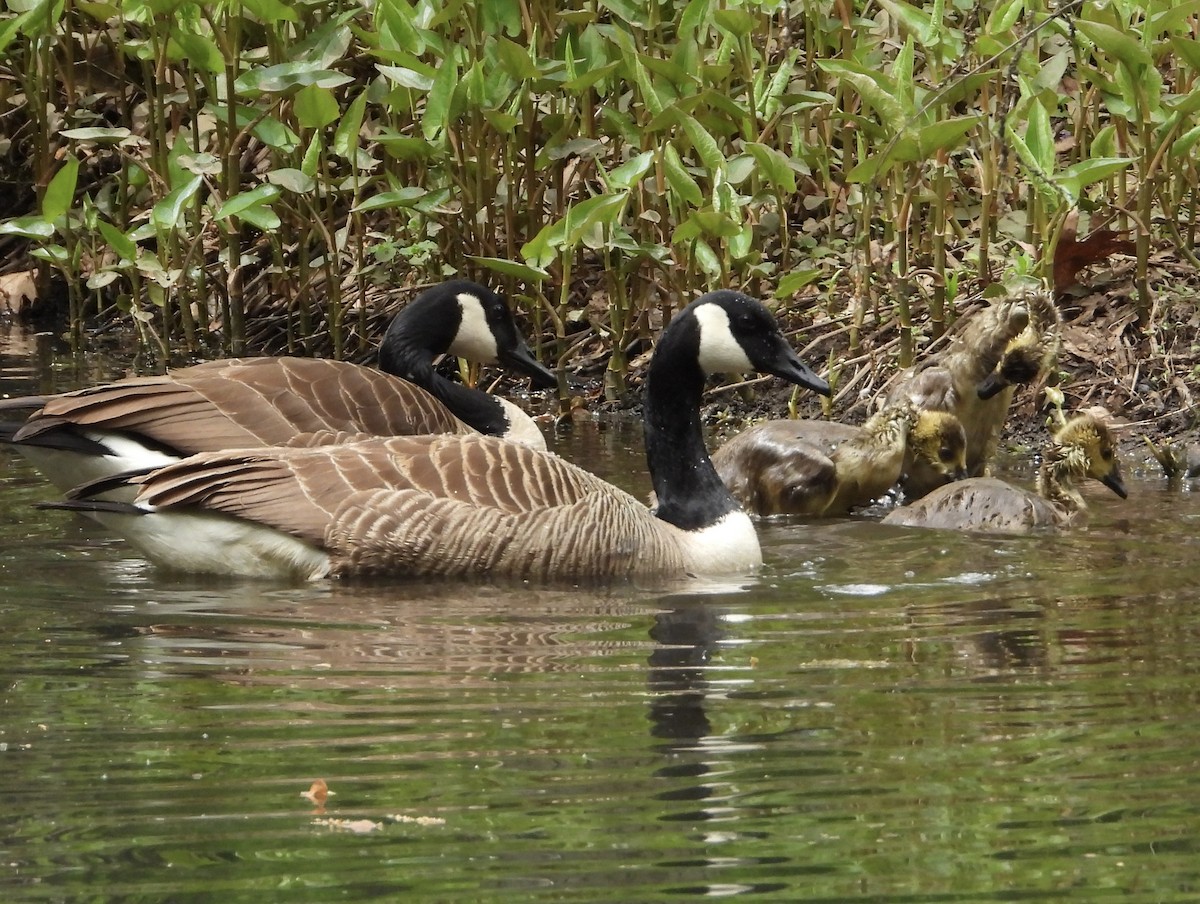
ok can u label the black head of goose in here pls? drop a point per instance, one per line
(1081, 448)
(143, 422)
(475, 506)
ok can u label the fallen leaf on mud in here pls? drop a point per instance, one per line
(357, 826)
(17, 291)
(318, 792)
(1071, 256)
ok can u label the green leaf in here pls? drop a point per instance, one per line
(771, 99)
(401, 197)
(511, 268)
(345, 139)
(774, 166)
(60, 193)
(869, 87)
(101, 136)
(1189, 49)
(269, 11)
(168, 212)
(247, 200)
(945, 135)
(630, 173)
(312, 156)
(293, 180)
(738, 22)
(706, 259)
(263, 217)
(516, 60)
(1004, 16)
(406, 78)
(52, 254)
(284, 77)
(28, 227)
(1040, 139)
(794, 281)
(679, 179)
(706, 146)
(1075, 178)
(199, 50)
(916, 21)
(1116, 43)
(125, 247)
(315, 107)
(1182, 146)
(441, 96)
(628, 11)
(742, 243)
(405, 147)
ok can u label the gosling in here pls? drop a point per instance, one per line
(1083, 447)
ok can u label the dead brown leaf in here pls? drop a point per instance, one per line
(17, 291)
(1071, 255)
(317, 793)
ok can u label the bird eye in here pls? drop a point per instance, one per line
(947, 453)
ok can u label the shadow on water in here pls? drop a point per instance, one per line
(881, 715)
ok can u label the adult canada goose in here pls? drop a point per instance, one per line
(1081, 448)
(802, 467)
(474, 505)
(951, 381)
(143, 422)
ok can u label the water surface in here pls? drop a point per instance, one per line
(882, 715)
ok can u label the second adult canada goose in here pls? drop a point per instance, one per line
(803, 467)
(474, 506)
(231, 404)
(1081, 448)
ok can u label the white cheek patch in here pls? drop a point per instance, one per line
(474, 340)
(720, 352)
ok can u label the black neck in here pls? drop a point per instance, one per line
(471, 406)
(690, 494)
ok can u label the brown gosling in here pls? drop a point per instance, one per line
(1081, 448)
(821, 468)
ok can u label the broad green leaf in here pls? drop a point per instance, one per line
(60, 193)
(168, 212)
(630, 173)
(312, 156)
(679, 179)
(1075, 178)
(293, 180)
(199, 50)
(441, 96)
(315, 107)
(883, 99)
(794, 281)
(511, 268)
(695, 18)
(401, 197)
(706, 259)
(405, 77)
(269, 11)
(946, 134)
(516, 60)
(125, 247)
(27, 227)
(1175, 16)
(650, 96)
(628, 11)
(101, 136)
(1183, 145)
(917, 22)
(710, 222)
(283, 77)
(770, 100)
(774, 166)
(706, 146)
(741, 244)
(52, 254)
(1003, 16)
(1039, 138)
(263, 217)
(405, 147)
(243, 201)
(346, 138)
(1189, 49)
(1119, 44)
(738, 22)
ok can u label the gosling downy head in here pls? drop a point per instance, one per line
(1032, 352)
(1084, 447)
(937, 444)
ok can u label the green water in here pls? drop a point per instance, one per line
(883, 715)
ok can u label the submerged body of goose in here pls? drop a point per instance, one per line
(802, 467)
(1082, 448)
(999, 348)
(145, 422)
(474, 506)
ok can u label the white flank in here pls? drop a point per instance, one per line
(729, 546)
(214, 544)
(720, 352)
(474, 340)
(521, 428)
(67, 470)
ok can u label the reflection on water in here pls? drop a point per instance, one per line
(882, 715)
